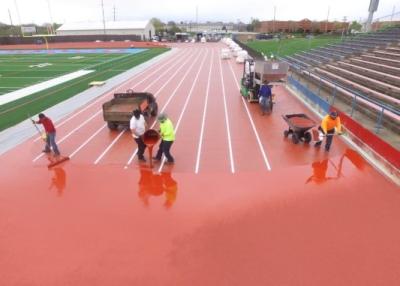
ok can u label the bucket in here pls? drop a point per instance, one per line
(150, 138)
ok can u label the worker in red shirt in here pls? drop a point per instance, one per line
(50, 134)
(329, 126)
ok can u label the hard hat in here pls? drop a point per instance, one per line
(333, 114)
(162, 117)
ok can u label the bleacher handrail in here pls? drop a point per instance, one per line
(356, 93)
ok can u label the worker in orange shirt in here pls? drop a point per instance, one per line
(329, 126)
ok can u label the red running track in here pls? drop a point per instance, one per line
(241, 206)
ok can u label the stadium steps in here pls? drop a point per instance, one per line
(376, 66)
(341, 47)
(375, 44)
(307, 59)
(336, 51)
(394, 50)
(294, 61)
(390, 79)
(314, 55)
(370, 109)
(372, 94)
(327, 54)
(369, 83)
(379, 60)
(386, 54)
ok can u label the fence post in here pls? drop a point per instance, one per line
(319, 86)
(353, 105)
(334, 96)
(379, 123)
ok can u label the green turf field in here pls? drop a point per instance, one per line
(16, 73)
(287, 47)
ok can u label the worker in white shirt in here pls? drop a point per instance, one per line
(138, 127)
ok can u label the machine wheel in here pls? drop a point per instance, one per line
(295, 139)
(307, 137)
(286, 133)
(112, 125)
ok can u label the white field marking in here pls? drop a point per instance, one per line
(41, 77)
(227, 120)
(8, 97)
(70, 133)
(204, 116)
(169, 99)
(186, 103)
(114, 89)
(155, 95)
(87, 141)
(267, 164)
(41, 65)
(109, 147)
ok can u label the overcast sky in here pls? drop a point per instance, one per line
(63, 11)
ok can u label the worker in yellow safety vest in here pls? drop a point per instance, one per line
(167, 138)
(330, 126)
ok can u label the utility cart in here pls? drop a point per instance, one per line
(118, 111)
(299, 124)
(255, 72)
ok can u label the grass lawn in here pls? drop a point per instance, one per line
(287, 47)
(16, 73)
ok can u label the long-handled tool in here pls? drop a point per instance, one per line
(54, 160)
(318, 135)
(42, 135)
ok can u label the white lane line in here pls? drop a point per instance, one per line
(169, 99)
(227, 120)
(155, 94)
(109, 147)
(117, 87)
(204, 116)
(186, 104)
(267, 164)
(70, 133)
(87, 141)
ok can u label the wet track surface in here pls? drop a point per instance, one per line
(242, 205)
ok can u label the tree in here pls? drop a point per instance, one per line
(158, 25)
(355, 26)
(254, 25)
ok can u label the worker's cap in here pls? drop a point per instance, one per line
(162, 117)
(333, 114)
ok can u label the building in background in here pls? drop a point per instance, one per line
(304, 26)
(208, 27)
(144, 29)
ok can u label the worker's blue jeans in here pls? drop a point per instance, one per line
(165, 146)
(265, 103)
(51, 142)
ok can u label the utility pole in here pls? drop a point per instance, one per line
(114, 13)
(104, 20)
(9, 14)
(197, 18)
(273, 24)
(19, 17)
(327, 19)
(391, 18)
(51, 18)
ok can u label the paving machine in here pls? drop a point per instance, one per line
(255, 72)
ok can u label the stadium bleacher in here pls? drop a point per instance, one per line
(367, 65)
